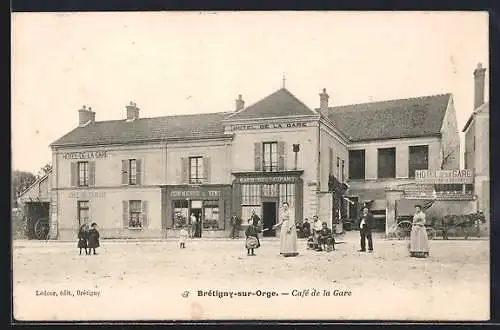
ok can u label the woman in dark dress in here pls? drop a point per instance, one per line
(82, 238)
(93, 238)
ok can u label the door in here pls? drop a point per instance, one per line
(196, 207)
(83, 212)
(269, 218)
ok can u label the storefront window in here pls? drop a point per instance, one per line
(211, 217)
(180, 214)
(250, 194)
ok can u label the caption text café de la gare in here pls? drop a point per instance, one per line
(143, 177)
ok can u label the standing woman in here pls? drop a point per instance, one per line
(419, 242)
(288, 234)
(82, 238)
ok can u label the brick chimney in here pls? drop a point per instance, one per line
(85, 115)
(132, 111)
(479, 77)
(240, 104)
(323, 101)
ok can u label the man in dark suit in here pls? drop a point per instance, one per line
(365, 226)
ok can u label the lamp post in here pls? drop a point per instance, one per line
(296, 149)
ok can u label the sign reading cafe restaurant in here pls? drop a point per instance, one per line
(464, 176)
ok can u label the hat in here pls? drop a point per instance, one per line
(94, 224)
(418, 205)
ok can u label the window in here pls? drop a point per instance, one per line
(343, 171)
(211, 216)
(195, 170)
(386, 163)
(418, 159)
(83, 174)
(357, 164)
(132, 170)
(287, 194)
(250, 194)
(135, 214)
(83, 212)
(180, 214)
(330, 161)
(270, 163)
(338, 168)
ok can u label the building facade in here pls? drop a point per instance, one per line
(477, 146)
(144, 177)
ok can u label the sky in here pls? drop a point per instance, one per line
(184, 63)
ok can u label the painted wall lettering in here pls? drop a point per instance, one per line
(195, 193)
(85, 155)
(268, 126)
(271, 179)
(87, 194)
(444, 176)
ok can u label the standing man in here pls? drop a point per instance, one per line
(255, 218)
(365, 226)
(235, 226)
(193, 225)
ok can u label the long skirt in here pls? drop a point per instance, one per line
(252, 242)
(288, 241)
(419, 242)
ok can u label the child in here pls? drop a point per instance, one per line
(93, 238)
(183, 235)
(325, 238)
(82, 238)
(252, 241)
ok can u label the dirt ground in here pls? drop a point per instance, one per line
(159, 281)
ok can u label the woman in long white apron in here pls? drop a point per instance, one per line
(288, 234)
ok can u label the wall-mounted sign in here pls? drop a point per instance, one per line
(87, 194)
(268, 126)
(265, 179)
(85, 155)
(195, 193)
(444, 176)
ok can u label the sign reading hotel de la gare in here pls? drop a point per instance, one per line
(464, 176)
(269, 126)
(85, 155)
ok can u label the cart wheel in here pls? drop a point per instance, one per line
(431, 232)
(403, 230)
(39, 229)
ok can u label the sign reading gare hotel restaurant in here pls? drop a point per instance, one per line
(464, 176)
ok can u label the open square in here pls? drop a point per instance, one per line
(146, 281)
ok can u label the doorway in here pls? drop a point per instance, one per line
(269, 218)
(196, 207)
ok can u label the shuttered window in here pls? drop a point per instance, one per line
(357, 164)
(132, 172)
(83, 174)
(135, 214)
(418, 159)
(386, 163)
(195, 170)
(270, 163)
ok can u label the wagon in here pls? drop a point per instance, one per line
(468, 223)
(36, 220)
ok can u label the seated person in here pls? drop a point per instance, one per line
(325, 238)
(306, 228)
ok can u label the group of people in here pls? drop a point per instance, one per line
(320, 237)
(88, 239)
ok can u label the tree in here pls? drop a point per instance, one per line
(445, 156)
(21, 180)
(44, 170)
